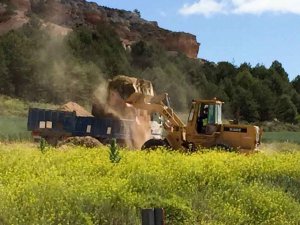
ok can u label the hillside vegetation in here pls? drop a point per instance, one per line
(13, 107)
(82, 186)
(38, 66)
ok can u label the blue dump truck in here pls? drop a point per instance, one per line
(72, 120)
(55, 125)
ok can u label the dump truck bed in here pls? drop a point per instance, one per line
(59, 124)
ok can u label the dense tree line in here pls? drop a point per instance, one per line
(39, 66)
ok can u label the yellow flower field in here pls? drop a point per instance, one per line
(82, 186)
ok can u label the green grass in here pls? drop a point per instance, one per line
(82, 186)
(19, 108)
(13, 129)
(13, 118)
(277, 126)
(283, 136)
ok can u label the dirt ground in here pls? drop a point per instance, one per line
(87, 141)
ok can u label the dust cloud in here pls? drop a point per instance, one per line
(109, 103)
(60, 75)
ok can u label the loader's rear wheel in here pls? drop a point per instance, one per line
(153, 144)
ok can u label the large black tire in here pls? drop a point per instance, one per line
(189, 146)
(52, 140)
(153, 144)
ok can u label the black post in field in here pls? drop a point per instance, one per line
(153, 216)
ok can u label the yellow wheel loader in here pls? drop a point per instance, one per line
(204, 127)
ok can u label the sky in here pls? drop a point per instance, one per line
(237, 31)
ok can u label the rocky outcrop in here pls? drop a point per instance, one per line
(182, 42)
(172, 41)
(128, 25)
(13, 15)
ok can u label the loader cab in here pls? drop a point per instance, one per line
(205, 117)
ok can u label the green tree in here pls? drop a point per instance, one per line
(265, 100)
(277, 84)
(228, 87)
(209, 69)
(137, 12)
(277, 67)
(16, 47)
(100, 46)
(244, 105)
(143, 55)
(225, 70)
(5, 80)
(244, 79)
(295, 97)
(245, 67)
(296, 83)
(261, 72)
(285, 109)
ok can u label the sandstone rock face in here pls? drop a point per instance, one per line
(13, 19)
(128, 25)
(182, 42)
(94, 18)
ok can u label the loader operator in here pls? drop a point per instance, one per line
(202, 120)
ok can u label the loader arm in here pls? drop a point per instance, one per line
(155, 104)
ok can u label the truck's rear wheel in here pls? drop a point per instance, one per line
(53, 140)
(153, 144)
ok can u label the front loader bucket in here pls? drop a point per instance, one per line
(119, 89)
(126, 86)
(140, 98)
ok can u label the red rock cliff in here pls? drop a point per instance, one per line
(128, 25)
(182, 42)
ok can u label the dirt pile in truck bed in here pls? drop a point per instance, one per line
(74, 107)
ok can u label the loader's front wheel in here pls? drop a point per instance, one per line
(153, 144)
(189, 146)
